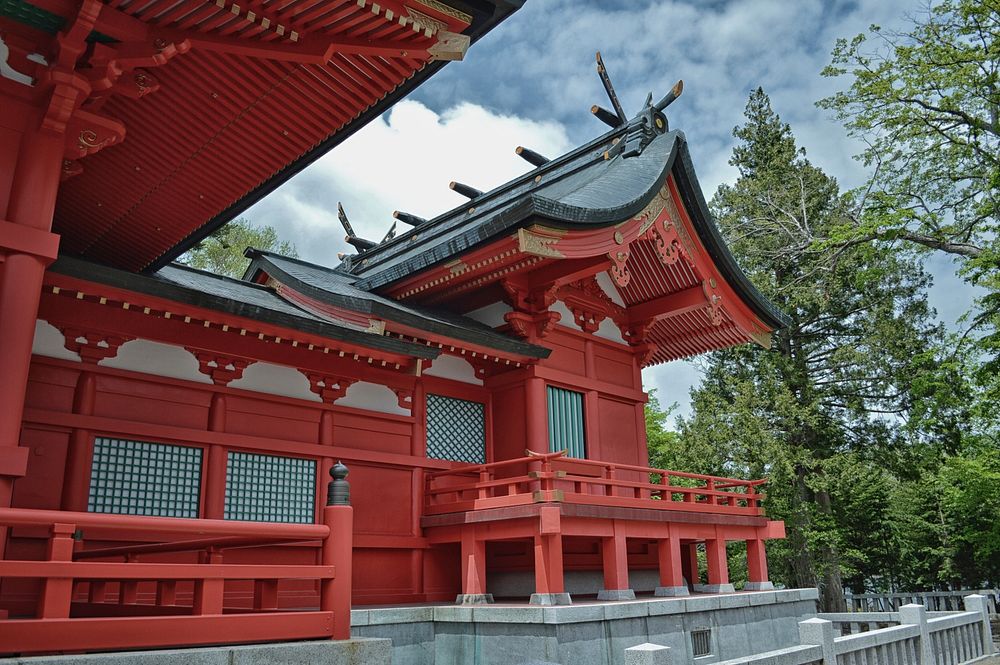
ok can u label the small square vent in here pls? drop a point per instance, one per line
(701, 642)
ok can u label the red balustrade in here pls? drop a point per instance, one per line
(554, 477)
(76, 609)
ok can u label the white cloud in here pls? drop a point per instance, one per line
(532, 81)
(402, 161)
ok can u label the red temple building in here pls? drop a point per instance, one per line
(167, 435)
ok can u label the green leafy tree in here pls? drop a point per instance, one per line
(222, 251)
(837, 377)
(926, 104)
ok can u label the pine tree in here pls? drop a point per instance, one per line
(837, 378)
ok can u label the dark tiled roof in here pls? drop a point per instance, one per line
(578, 190)
(235, 297)
(337, 288)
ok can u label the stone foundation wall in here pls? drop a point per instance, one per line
(588, 633)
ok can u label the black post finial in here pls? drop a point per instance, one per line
(338, 492)
(464, 190)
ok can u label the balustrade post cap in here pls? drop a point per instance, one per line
(339, 471)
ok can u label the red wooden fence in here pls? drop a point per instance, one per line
(76, 610)
(555, 477)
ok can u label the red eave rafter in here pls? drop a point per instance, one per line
(196, 317)
(216, 97)
(398, 330)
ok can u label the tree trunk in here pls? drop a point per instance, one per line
(832, 590)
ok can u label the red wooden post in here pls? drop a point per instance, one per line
(757, 566)
(80, 452)
(128, 591)
(166, 592)
(26, 247)
(718, 566)
(473, 564)
(338, 551)
(550, 588)
(208, 594)
(689, 563)
(614, 557)
(668, 554)
(97, 591)
(57, 592)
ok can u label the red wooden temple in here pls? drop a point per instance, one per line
(168, 436)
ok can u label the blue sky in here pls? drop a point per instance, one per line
(532, 81)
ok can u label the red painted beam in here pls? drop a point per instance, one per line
(53, 635)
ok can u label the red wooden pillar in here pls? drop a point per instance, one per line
(26, 246)
(668, 552)
(80, 455)
(215, 465)
(689, 564)
(550, 587)
(757, 567)
(614, 555)
(473, 569)
(57, 591)
(338, 551)
(718, 566)
(536, 416)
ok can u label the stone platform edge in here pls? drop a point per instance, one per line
(356, 651)
(563, 614)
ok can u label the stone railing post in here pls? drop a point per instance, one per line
(916, 615)
(819, 632)
(338, 551)
(647, 654)
(977, 603)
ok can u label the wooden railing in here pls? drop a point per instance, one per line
(88, 597)
(555, 477)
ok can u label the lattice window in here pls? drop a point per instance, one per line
(701, 642)
(269, 488)
(566, 430)
(140, 478)
(456, 429)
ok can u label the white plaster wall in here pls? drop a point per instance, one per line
(604, 281)
(491, 315)
(141, 355)
(275, 380)
(373, 397)
(50, 342)
(566, 317)
(455, 368)
(610, 331)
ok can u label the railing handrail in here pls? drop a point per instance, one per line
(736, 482)
(479, 468)
(180, 525)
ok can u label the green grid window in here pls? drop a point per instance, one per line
(566, 422)
(269, 488)
(456, 429)
(140, 478)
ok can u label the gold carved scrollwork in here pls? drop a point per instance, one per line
(619, 270)
(652, 209)
(531, 243)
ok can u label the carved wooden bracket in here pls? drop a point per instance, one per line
(221, 369)
(92, 347)
(590, 304)
(714, 301)
(635, 332)
(329, 388)
(527, 326)
(619, 270)
(404, 397)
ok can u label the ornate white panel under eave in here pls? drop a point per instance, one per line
(275, 380)
(373, 397)
(141, 355)
(452, 367)
(49, 342)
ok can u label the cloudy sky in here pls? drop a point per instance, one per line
(532, 81)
